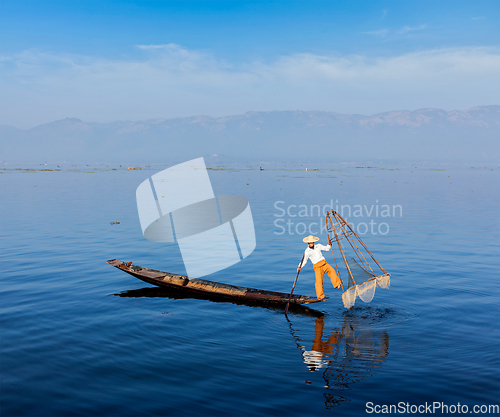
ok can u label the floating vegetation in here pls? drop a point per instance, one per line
(231, 169)
(28, 169)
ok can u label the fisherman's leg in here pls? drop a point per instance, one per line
(319, 283)
(333, 276)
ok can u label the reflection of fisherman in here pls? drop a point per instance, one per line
(364, 348)
(314, 357)
(320, 265)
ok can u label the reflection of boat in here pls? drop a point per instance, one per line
(346, 356)
(201, 286)
(176, 294)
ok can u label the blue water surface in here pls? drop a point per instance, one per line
(79, 337)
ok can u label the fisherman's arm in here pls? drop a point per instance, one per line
(304, 261)
(327, 247)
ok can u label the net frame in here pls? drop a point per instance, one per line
(337, 229)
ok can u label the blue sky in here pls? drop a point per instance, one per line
(103, 61)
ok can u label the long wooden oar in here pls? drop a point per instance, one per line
(295, 282)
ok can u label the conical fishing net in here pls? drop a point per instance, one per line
(358, 273)
(366, 289)
(362, 280)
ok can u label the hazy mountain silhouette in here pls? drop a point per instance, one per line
(423, 135)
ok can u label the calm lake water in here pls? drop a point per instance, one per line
(79, 337)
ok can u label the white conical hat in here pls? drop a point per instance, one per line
(310, 238)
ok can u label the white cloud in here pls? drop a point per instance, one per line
(379, 32)
(171, 81)
(406, 29)
(386, 32)
(164, 46)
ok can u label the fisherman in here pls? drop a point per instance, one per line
(313, 252)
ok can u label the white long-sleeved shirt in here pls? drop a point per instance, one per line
(314, 254)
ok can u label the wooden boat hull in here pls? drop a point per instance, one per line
(196, 285)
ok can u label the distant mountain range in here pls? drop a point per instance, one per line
(296, 136)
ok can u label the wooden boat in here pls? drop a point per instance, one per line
(201, 286)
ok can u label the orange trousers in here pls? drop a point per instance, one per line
(319, 269)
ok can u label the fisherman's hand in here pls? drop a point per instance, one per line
(298, 269)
